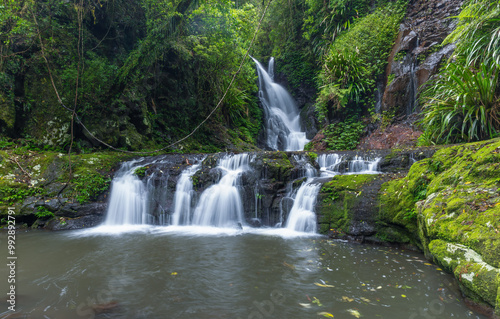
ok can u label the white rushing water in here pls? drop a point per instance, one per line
(221, 205)
(361, 165)
(127, 203)
(302, 217)
(282, 119)
(329, 164)
(183, 196)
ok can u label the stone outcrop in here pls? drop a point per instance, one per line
(449, 206)
(418, 52)
(265, 188)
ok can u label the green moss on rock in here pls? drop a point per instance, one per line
(338, 199)
(458, 216)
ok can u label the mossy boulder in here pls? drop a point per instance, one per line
(44, 183)
(277, 165)
(450, 204)
(48, 121)
(343, 205)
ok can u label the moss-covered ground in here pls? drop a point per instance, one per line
(43, 175)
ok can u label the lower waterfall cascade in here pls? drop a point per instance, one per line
(136, 201)
(221, 205)
(302, 217)
(127, 202)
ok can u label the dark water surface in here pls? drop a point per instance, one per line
(188, 272)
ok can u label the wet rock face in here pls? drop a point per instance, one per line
(266, 188)
(418, 53)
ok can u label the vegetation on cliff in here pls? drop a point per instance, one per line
(463, 103)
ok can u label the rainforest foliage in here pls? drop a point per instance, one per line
(143, 74)
(463, 103)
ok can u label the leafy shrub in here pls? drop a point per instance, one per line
(43, 213)
(354, 60)
(463, 104)
(344, 135)
(141, 171)
(312, 156)
(89, 186)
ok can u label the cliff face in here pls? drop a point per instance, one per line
(418, 53)
(415, 58)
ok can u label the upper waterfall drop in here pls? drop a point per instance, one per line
(282, 119)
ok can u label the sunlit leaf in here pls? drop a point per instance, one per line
(323, 285)
(354, 312)
(325, 314)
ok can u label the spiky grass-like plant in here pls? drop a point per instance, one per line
(463, 104)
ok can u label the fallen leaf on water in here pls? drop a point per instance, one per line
(353, 312)
(325, 314)
(439, 269)
(365, 299)
(316, 301)
(379, 287)
(404, 296)
(288, 265)
(323, 285)
(305, 305)
(427, 264)
(174, 273)
(347, 299)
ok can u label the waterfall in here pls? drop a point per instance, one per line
(282, 119)
(412, 88)
(183, 194)
(221, 205)
(360, 165)
(127, 204)
(302, 216)
(329, 164)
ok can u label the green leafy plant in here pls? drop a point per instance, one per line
(43, 213)
(88, 187)
(463, 104)
(355, 58)
(312, 156)
(410, 214)
(141, 171)
(344, 135)
(11, 195)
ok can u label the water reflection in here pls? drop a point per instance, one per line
(167, 273)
